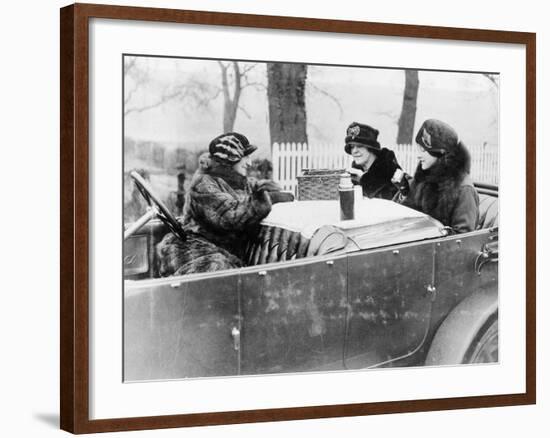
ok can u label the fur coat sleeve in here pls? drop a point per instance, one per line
(221, 207)
(464, 217)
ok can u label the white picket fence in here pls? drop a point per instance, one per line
(290, 158)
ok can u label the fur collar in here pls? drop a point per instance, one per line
(219, 170)
(380, 172)
(437, 188)
(383, 167)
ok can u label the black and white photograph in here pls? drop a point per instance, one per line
(296, 218)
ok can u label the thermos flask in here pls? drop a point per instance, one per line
(346, 192)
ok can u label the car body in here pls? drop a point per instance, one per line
(390, 288)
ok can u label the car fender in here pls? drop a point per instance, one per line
(461, 327)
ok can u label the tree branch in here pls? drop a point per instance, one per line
(225, 83)
(248, 68)
(389, 114)
(247, 84)
(328, 95)
(131, 93)
(129, 65)
(165, 98)
(246, 113)
(237, 85)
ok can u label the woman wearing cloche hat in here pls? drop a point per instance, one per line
(441, 186)
(373, 166)
(222, 208)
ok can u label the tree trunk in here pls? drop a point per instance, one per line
(230, 103)
(286, 86)
(408, 110)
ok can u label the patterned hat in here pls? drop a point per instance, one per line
(230, 147)
(436, 137)
(361, 135)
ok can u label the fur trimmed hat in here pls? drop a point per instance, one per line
(230, 147)
(361, 135)
(436, 137)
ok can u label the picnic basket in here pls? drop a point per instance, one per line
(318, 184)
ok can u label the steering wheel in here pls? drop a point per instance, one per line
(155, 209)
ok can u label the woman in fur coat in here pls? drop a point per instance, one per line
(373, 166)
(222, 207)
(442, 186)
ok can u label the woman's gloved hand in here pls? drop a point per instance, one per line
(400, 180)
(273, 190)
(277, 197)
(356, 174)
(267, 186)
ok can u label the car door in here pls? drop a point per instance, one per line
(465, 264)
(293, 316)
(181, 327)
(390, 298)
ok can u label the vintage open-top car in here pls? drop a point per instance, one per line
(390, 288)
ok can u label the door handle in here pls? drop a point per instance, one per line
(488, 254)
(431, 291)
(236, 334)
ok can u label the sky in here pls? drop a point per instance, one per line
(335, 97)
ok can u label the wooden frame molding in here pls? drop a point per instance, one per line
(74, 231)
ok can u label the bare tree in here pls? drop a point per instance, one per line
(407, 117)
(134, 78)
(230, 99)
(188, 88)
(137, 77)
(494, 81)
(286, 86)
(235, 77)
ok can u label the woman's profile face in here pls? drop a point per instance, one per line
(424, 158)
(242, 166)
(361, 155)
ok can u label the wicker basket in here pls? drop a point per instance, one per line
(318, 184)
